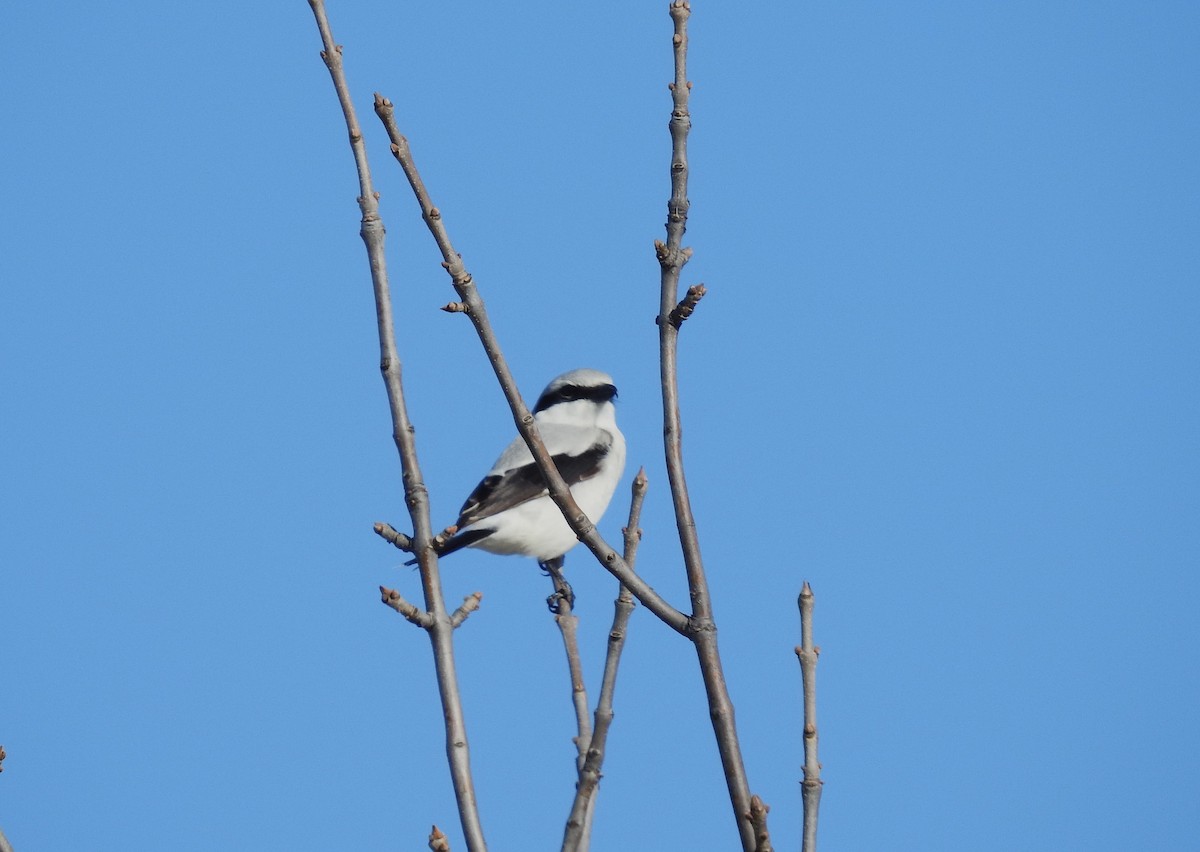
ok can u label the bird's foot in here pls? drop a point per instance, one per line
(563, 599)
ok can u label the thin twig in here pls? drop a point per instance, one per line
(440, 628)
(687, 305)
(469, 605)
(812, 784)
(472, 305)
(672, 256)
(578, 828)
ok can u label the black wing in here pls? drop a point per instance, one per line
(497, 493)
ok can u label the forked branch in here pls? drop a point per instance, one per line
(577, 830)
(671, 258)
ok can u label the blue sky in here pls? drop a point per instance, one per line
(945, 372)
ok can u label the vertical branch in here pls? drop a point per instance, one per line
(416, 495)
(671, 257)
(811, 786)
(568, 625)
(577, 831)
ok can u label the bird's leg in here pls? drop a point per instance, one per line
(563, 593)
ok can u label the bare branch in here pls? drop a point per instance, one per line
(473, 306)
(439, 627)
(5, 846)
(808, 653)
(579, 822)
(671, 257)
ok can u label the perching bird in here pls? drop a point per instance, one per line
(510, 511)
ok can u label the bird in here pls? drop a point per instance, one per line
(510, 511)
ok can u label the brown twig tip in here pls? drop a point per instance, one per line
(438, 841)
(455, 308)
(439, 540)
(687, 304)
(389, 534)
(641, 482)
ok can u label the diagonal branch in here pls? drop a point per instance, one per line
(671, 257)
(409, 610)
(812, 784)
(472, 305)
(439, 627)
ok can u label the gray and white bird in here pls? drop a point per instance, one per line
(510, 511)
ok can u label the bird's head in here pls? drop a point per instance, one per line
(574, 393)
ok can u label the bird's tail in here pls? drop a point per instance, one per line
(458, 542)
